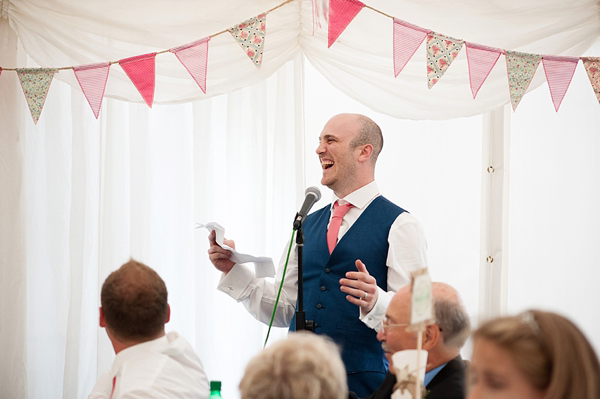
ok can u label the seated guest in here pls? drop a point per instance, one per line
(533, 355)
(445, 370)
(149, 363)
(303, 366)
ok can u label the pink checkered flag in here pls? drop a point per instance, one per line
(441, 51)
(407, 39)
(194, 57)
(559, 72)
(481, 61)
(140, 70)
(92, 79)
(341, 13)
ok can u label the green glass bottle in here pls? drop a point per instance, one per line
(215, 389)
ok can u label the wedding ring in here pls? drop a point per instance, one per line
(366, 296)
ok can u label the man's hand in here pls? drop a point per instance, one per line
(361, 287)
(219, 256)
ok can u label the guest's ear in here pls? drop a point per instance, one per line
(168, 313)
(102, 319)
(431, 335)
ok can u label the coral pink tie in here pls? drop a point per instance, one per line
(336, 221)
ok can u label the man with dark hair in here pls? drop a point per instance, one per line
(149, 363)
(445, 370)
(359, 230)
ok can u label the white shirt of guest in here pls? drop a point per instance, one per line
(407, 252)
(166, 367)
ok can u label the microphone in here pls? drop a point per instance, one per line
(311, 195)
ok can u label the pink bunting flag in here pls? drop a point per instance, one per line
(194, 57)
(341, 13)
(407, 39)
(140, 70)
(35, 83)
(520, 68)
(250, 35)
(559, 72)
(441, 51)
(481, 60)
(92, 79)
(592, 67)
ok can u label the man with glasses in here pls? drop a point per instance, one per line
(445, 370)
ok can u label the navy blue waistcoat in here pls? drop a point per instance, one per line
(324, 302)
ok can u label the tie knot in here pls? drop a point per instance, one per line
(340, 210)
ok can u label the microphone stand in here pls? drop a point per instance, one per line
(301, 322)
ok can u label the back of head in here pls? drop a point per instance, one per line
(451, 316)
(550, 351)
(134, 302)
(303, 366)
(369, 132)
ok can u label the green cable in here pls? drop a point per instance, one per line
(280, 287)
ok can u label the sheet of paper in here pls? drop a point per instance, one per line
(263, 265)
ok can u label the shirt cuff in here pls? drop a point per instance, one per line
(374, 318)
(235, 282)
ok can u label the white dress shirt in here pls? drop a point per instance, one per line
(407, 252)
(166, 367)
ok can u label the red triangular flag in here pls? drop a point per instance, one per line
(592, 67)
(481, 60)
(341, 13)
(140, 70)
(407, 39)
(559, 72)
(194, 57)
(92, 79)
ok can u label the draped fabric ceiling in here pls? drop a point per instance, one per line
(360, 63)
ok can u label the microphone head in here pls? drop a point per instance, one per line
(314, 191)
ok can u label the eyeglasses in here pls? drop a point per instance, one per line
(386, 326)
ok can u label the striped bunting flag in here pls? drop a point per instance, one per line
(559, 72)
(407, 39)
(194, 57)
(92, 79)
(481, 60)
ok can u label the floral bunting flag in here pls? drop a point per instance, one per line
(92, 79)
(441, 51)
(341, 13)
(194, 57)
(250, 35)
(407, 39)
(520, 69)
(481, 60)
(36, 83)
(592, 67)
(559, 72)
(140, 70)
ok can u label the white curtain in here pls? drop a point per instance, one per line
(79, 196)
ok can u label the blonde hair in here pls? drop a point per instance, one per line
(303, 366)
(550, 351)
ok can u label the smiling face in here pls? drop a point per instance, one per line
(340, 162)
(494, 375)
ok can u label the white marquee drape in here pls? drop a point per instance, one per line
(79, 196)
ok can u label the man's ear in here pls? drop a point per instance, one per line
(168, 313)
(431, 336)
(366, 152)
(102, 321)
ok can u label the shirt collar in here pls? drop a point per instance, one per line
(430, 375)
(359, 198)
(135, 350)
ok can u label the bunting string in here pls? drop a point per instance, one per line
(440, 51)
